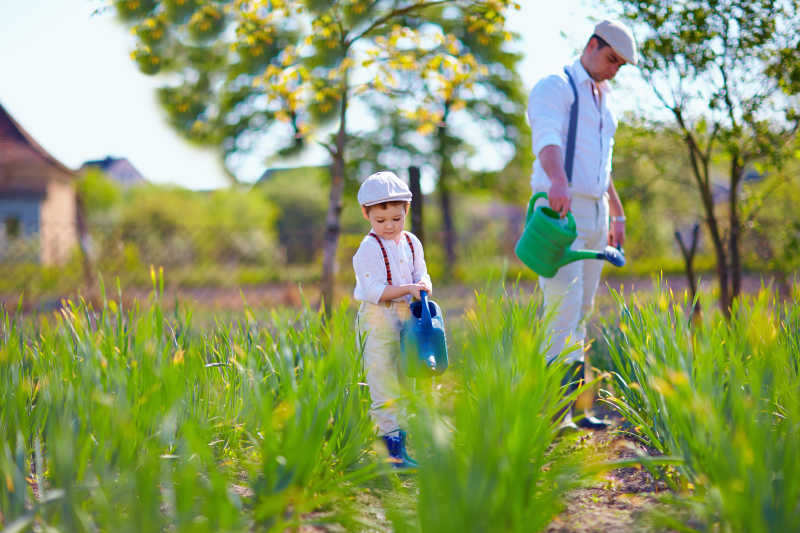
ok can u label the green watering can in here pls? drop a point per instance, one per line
(422, 339)
(545, 243)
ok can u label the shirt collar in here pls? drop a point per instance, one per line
(581, 76)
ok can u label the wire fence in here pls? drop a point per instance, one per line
(211, 262)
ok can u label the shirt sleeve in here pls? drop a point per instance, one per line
(548, 105)
(420, 272)
(370, 270)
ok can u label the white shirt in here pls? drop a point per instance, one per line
(370, 268)
(548, 112)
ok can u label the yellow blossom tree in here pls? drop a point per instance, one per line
(290, 70)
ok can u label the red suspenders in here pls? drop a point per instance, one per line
(386, 257)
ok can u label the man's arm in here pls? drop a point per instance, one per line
(552, 160)
(548, 104)
(616, 227)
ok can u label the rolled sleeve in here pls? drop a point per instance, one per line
(548, 104)
(420, 268)
(370, 272)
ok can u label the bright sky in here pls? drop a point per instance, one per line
(68, 79)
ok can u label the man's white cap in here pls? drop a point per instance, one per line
(619, 37)
(382, 187)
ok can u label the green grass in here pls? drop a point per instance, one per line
(491, 459)
(724, 397)
(151, 417)
(134, 420)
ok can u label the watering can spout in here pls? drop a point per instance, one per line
(615, 256)
(577, 255)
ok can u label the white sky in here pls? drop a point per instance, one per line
(68, 79)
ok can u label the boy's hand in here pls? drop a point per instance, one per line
(426, 287)
(414, 289)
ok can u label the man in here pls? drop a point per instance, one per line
(580, 181)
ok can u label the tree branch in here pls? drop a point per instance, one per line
(395, 13)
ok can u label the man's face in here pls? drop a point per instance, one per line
(601, 63)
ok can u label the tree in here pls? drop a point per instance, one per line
(729, 73)
(464, 97)
(287, 71)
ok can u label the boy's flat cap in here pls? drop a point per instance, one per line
(619, 37)
(382, 187)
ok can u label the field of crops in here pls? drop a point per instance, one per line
(146, 418)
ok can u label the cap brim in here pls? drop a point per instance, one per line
(384, 200)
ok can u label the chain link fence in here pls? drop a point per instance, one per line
(218, 263)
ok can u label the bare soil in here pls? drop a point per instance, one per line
(619, 500)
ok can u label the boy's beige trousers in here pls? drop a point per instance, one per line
(379, 329)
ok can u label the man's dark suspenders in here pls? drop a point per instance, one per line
(569, 156)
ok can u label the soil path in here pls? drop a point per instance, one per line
(616, 501)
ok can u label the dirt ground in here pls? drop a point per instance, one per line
(453, 298)
(619, 500)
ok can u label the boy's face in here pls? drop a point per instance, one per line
(387, 220)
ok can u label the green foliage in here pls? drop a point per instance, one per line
(136, 419)
(300, 196)
(229, 56)
(223, 226)
(485, 439)
(721, 395)
(98, 193)
(721, 69)
(652, 177)
(774, 240)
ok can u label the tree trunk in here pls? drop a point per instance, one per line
(445, 201)
(416, 203)
(83, 243)
(700, 168)
(688, 258)
(332, 228)
(722, 258)
(735, 229)
(447, 223)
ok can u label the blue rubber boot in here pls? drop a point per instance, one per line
(396, 445)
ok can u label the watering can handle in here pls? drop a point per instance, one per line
(533, 201)
(425, 313)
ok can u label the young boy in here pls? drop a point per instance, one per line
(390, 270)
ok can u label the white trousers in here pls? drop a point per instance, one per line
(379, 329)
(569, 295)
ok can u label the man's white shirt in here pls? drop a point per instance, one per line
(548, 113)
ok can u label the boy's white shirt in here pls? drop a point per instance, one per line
(370, 268)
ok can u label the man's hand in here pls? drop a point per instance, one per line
(559, 197)
(616, 233)
(552, 161)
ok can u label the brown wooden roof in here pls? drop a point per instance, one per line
(24, 165)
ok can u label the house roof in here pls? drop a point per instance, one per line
(24, 165)
(118, 168)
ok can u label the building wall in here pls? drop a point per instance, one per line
(59, 231)
(23, 208)
(19, 227)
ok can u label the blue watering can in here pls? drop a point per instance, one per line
(422, 339)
